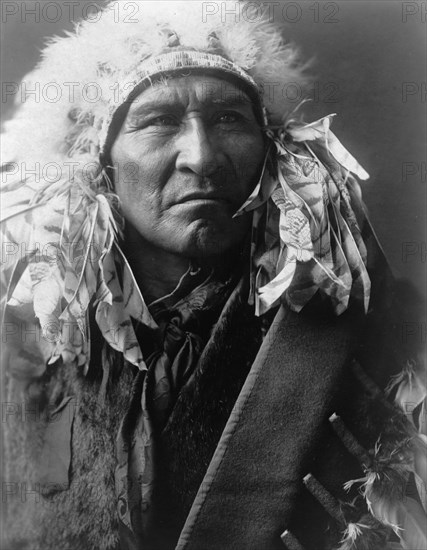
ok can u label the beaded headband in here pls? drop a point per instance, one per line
(175, 62)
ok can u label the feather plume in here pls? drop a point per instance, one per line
(410, 387)
(317, 227)
(319, 130)
(384, 489)
(68, 241)
(365, 534)
(419, 448)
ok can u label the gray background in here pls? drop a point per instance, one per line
(366, 54)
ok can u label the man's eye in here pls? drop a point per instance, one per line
(164, 120)
(228, 118)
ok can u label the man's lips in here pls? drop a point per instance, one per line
(204, 197)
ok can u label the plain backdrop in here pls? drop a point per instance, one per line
(369, 66)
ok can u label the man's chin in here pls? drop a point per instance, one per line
(205, 239)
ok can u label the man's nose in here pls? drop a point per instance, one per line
(197, 151)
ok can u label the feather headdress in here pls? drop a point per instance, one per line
(61, 224)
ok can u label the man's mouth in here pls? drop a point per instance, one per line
(207, 198)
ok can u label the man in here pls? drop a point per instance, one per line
(200, 271)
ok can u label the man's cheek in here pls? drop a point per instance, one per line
(249, 165)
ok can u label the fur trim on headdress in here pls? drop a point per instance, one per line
(90, 72)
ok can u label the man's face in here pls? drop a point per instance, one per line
(187, 156)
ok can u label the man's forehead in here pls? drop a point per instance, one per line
(185, 89)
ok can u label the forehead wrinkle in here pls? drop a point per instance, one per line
(240, 99)
(175, 96)
(163, 97)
